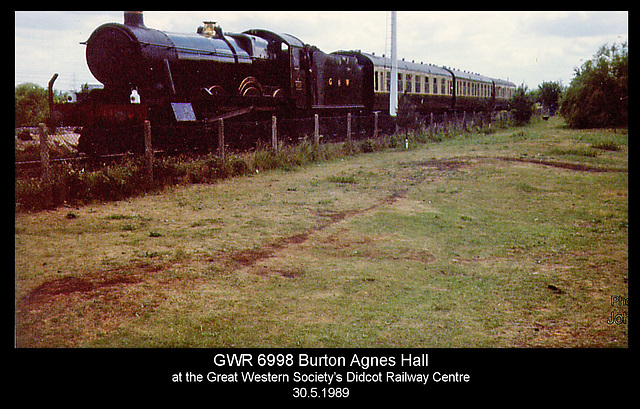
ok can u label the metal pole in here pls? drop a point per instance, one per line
(50, 92)
(393, 95)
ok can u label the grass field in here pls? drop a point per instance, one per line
(514, 239)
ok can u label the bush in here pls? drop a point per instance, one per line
(522, 106)
(238, 166)
(598, 95)
(549, 94)
(31, 104)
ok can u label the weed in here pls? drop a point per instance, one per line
(343, 179)
(575, 151)
(606, 146)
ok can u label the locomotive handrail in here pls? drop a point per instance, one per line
(338, 106)
(195, 50)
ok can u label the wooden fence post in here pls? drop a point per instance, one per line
(148, 151)
(221, 152)
(349, 127)
(316, 131)
(431, 123)
(375, 125)
(44, 160)
(274, 133)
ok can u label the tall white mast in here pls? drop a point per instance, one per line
(393, 96)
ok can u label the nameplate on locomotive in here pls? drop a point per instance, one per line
(183, 111)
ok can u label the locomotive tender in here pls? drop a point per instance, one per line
(184, 83)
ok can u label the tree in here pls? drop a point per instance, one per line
(522, 105)
(549, 95)
(31, 104)
(598, 94)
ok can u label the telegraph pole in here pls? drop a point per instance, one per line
(393, 95)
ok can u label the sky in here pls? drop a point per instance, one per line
(523, 47)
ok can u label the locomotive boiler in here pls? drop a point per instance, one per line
(183, 83)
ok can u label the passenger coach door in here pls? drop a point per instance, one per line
(298, 77)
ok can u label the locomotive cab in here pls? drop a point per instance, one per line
(288, 66)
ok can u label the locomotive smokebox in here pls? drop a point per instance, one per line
(134, 19)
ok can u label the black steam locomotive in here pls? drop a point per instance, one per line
(185, 83)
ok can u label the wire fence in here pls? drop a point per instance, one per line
(62, 142)
(42, 155)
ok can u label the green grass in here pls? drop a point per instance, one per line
(444, 245)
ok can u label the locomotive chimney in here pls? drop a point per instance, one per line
(134, 19)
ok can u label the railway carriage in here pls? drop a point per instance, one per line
(438, 89)
(428, 86)
(504, 90)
